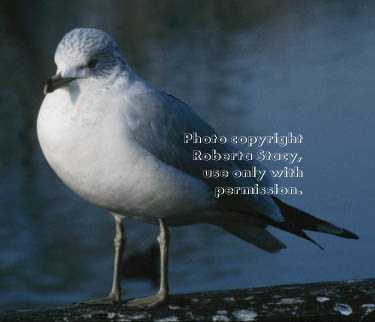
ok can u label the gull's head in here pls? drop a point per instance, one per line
(85, 53)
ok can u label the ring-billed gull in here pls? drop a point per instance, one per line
(117, 141)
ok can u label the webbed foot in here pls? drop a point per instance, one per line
(148, 302)
(110, 299)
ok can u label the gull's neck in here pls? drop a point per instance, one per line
(122, 76)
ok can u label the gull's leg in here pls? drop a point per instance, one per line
(119, 243)
(161, 296)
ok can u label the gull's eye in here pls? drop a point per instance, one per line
(92, 63)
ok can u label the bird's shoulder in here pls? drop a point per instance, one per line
(152, 113)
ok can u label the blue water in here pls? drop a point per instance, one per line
(253, 68)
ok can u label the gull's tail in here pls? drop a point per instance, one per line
(257, 236)
(297, 220)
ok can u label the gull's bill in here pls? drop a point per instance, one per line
(56, 82)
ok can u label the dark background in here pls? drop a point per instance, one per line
(248, 67)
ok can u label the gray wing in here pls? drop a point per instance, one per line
(160, 123)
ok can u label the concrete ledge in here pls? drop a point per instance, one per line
(328, 301)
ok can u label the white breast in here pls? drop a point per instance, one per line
(88, 147)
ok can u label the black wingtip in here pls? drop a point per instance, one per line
(305, 236)
(348, 234)
(301, 220)
(314, 242)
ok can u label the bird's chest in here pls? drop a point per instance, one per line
(86, 148)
